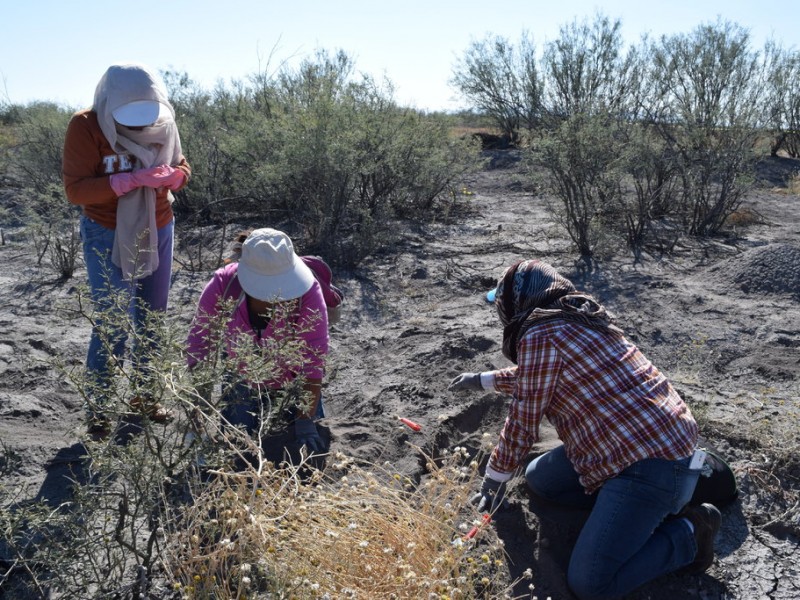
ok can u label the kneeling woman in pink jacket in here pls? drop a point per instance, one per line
(267, 316)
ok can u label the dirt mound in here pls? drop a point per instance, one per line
(771, 270)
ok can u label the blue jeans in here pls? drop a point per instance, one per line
(626, 540)
(115, 298)
(242, 405)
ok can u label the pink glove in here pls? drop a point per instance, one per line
(154, 177)
(175, 179)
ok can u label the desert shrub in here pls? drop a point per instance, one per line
(782, 99)
(38, 130)
(108, 539)
(105, 538)
(586, 71)
(51, 228)
(216, 129)
(583, 159)
(34, 161)
(326, 154)
(704, 101)
(503, 81)
(64, 249)
(347, 161)
(690, 106)
(651, 191)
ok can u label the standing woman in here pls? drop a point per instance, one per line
(122, 159)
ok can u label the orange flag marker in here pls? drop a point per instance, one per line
(411, 424)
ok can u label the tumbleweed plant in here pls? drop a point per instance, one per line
(360, 531)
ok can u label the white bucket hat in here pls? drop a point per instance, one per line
(270, 270)
(139, 113)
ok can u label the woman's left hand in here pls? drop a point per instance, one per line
(173, 178)
(306, 434)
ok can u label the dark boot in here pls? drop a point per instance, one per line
(706, 520)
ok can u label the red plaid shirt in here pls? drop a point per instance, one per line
(610, 406)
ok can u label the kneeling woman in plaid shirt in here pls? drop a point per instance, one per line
(628, 437)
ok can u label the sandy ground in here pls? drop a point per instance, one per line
(720, 317)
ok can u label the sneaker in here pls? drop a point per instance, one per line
(706, 520)
(153, 410)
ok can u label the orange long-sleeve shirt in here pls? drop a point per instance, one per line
(88, 161)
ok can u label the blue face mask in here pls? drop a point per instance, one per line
(490, 295)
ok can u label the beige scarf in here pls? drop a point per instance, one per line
(136, 236)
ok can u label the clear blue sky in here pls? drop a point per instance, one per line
(57, 49)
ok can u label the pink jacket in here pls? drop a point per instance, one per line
(309, 324)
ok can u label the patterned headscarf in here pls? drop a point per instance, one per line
(531, 291)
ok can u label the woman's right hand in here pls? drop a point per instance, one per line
(466, 381)
(153, 177)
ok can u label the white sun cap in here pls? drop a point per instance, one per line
(139, 113)
(270, 270)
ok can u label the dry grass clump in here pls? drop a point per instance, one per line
(744, 217)
(463, 131)
(792, 186)
(350, 533)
